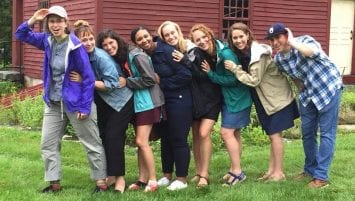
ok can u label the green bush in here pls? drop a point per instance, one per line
(294, 132)
(347, 106)
(29, 112)
(254, 136)
(130, 136)
(8, 87)
(7, 116)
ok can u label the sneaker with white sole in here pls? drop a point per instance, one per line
(164, 181)
(177, 185)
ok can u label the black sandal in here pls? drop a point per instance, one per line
(236, 179)
(137, 185)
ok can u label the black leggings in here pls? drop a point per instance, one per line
(174, 146)
(113, 126)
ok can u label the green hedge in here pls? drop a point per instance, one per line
(29, 114)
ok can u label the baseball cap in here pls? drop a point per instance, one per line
(276, 29)
(58, 10)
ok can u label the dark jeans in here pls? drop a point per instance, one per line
(112, 127)
(174, 146)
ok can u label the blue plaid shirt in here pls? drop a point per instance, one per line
(320, 77)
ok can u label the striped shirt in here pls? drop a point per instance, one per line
(320, 77)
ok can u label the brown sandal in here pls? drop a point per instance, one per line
(202, 185)
(195, 178)
(264, 177)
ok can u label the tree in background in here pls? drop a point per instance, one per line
(5, 32)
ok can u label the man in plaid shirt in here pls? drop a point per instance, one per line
(320, 86)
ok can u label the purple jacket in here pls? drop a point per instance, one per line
(77, 97)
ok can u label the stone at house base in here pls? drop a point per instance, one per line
(10, 75)
(347, 127)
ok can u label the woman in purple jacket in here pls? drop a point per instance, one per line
(65, 100)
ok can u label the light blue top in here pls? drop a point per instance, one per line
(105, 70)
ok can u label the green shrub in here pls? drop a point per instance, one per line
(347, 106)
(8, 87)
(7, 116)
(69, 130)
(29, 112)
(216, 138)
(130, 136)
(294, 132)
(254, 136)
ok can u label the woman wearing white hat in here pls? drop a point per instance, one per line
(65, 100)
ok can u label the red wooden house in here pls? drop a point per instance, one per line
(313, 17)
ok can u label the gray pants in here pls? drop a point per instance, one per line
(54, 124)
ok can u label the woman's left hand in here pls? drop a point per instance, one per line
(74, 76)
(177, 56)
(122, 82)
(205, 66)
(229, 65)
(81, 116)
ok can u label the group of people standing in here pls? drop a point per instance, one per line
(101, 84)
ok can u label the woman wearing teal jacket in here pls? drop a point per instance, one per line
(148, 106)
(236, 100)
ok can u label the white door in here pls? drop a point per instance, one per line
(341, 30)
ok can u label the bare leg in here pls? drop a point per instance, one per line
(120, 184)
(142, 168)
(145, 151)
(206, 126)
(233, 148)
(277, 154)
(240, 146)
(196, 149)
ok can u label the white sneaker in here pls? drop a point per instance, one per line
(164, 181)
(177, 185)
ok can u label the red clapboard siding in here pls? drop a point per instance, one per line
(28, 92)
(80, 9)
(123, 16)
(302, 16)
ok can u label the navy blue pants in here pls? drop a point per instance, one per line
(174, 146)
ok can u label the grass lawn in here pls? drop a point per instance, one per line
(21, 174)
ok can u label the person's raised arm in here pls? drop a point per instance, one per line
(305, 49)
(39, 15)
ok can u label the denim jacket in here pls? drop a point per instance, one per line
(105, 70)
(77, 97)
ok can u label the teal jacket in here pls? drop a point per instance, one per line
(236, 95)
(146, 90)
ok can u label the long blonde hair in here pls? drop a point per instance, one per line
(182, 43)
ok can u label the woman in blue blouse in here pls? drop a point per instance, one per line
(114, 105)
